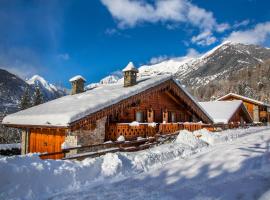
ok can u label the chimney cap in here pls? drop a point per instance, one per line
(77, 77)
(130, 67)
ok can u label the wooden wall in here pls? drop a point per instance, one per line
(237, 116)
(240, 116)
(157, 104)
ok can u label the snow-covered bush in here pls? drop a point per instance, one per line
(134, 123)
(111, 164)
(140, 138)
(121, 138)
(187, 138)
(153, 124)
(207, 136)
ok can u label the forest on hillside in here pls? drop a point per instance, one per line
(253, 82)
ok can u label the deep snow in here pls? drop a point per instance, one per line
(235, 165)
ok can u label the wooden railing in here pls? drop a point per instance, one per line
(263, 114)
(92, 151)
(113, 131)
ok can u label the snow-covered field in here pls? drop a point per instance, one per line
(233, 164)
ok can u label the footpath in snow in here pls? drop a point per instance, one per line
(233, 164)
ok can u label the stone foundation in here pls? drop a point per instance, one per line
(71, 141)
(87, 137)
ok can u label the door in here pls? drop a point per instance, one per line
(46, 140)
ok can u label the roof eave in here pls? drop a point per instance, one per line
(24, 126)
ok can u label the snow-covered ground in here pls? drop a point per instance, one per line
(233, 164)
(10, 146)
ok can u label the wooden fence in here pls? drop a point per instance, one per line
(109, 147)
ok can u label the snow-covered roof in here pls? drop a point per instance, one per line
(67, 109)
(62, 111)
(75, 78)
(243, 98)
(130, 67)
(221, 111)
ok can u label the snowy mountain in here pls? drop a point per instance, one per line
(48, 90)
(168, 66)
(203, 72)
(217, 63)
(222, 62)
(105, 81)
(109, 79)
(12, 89)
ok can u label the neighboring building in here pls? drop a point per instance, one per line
(258, 110)
(227, 112)
(106, 112)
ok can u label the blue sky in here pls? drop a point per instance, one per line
(61, 38)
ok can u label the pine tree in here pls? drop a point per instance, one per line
(25, 100)
(38, 98)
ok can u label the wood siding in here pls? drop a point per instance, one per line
(160, 104)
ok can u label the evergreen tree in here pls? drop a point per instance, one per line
(38, 98)
(25, 100)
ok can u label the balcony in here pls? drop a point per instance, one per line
(131, 132)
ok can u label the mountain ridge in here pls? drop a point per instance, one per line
(12, 88)
(219, 63)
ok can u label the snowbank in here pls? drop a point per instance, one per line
(121, 138)
(208, 137)
(56, 176)
(188, 138)
(111, 164)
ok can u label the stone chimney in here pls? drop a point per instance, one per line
(130, 75)
(77, 83)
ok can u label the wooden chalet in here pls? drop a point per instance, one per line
(258, 110)
(132, 107)
(227, 113)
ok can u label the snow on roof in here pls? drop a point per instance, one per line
(244, 98)
(67, 109)
(221, 111)
(75, 78)
(130, 67)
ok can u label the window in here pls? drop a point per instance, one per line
(139, 116)
(173, 117)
